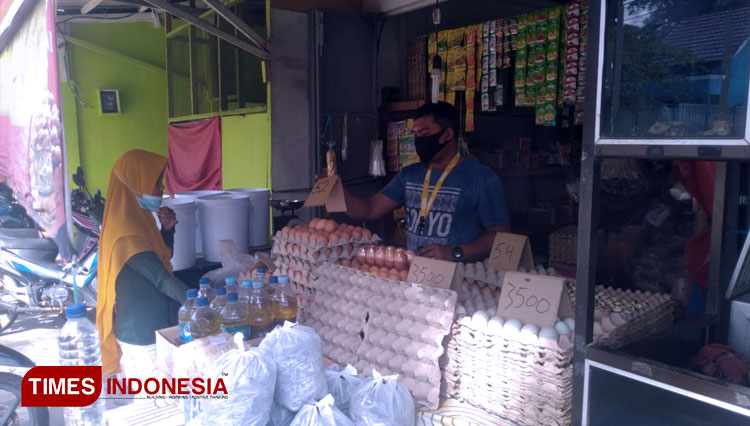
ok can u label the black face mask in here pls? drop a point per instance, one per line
(429, 146)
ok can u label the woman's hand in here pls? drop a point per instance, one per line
(167, 217)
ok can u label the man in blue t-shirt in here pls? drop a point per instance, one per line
(460, 220)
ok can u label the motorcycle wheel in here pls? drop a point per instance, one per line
(10, 396)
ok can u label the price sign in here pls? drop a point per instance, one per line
(432, 272)
(328, 192)
(530, 298)
(509, 251)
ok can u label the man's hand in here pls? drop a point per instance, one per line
(167, 217)
(436, 251)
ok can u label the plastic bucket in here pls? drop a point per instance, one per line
(194, 195)
(223, 217)
(183, 254)
(259, 214)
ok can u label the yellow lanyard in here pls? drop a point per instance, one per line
(427, 202)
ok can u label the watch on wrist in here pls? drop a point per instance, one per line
(457, 253)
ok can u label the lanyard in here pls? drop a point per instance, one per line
(428, 201)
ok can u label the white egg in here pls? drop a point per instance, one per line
(460, 310)
(562, 328)
(479, 320)
(495, 325)
(548, 333)
(465, 321)
(571, 323)
(491, 312)
(529, 334)
(512, 327)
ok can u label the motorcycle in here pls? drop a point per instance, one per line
(11, 412)
(34, 280)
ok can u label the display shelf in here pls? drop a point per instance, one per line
(538, 171)
(403, 106)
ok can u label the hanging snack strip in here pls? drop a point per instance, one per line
(580, 90)
(519, 45)
(551, 67)
(471, 78)
(572, 45)
(485, 80)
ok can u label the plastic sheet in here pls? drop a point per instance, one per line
(322, 413)
(250, 378)
(296, 349)
(382, 401)
(341, 384)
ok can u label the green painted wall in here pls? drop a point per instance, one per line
(101, 139)
(246, 150)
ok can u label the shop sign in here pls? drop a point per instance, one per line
(510, 251)
(432, 272)
(328, 192)
(533, 299)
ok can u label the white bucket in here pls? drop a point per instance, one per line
(223, 217)
(259, 214)
(194, 195)
(183, 254)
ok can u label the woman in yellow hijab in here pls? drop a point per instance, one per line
(135, 273)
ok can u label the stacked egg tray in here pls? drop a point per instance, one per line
(622, 317)
(298, 251)
(484, 276)
(513, 370)
(563, 248)
(377, 323)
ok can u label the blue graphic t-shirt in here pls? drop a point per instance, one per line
(471, 199)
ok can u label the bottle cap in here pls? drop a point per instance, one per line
(230, 280)
(247, 283)
(75, 310)
(202, 301)
(261, 270)
(192, 293)
(220, 291)
(203, 281)
(273, 279)
(257, 284)
(232, 297)
(283, 279)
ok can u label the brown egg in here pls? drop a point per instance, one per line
(390, 256)
(393, 271)
(305, 235)
(362, 255)
(330, 226)
(348, 248)
(321, 239)
(370, 256)
(345, 237)
(336, 251)
(334, 237)
(364, 267)
(409, 256)
(314, 221)
(403, 275)
(357, 235)
(285, 231)
(355, 264)
(393, 277)
(288, 247)
(346, 262)
(321, 224)
(382, 274)
(380, 256)
(316, 255)
(399, 259)
(327, 253)
(295, 249)
(366, 234)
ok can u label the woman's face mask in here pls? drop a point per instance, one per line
(149, 202)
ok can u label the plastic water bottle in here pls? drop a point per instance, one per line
(220, 300)
(284, 301)
(230, 283)
(185, 314)
(234, 317)
(205, 289)
(244, 292)
(273, 280)
(78, 343)
(205, 321)
(260, 274)
(259, 308)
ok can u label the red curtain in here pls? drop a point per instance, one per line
(194, 156)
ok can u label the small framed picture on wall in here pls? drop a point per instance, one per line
(109, 101)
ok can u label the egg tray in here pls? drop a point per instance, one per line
(316, 245)
(377, 323)
(516, 376)
(481, 274)
(315, 255)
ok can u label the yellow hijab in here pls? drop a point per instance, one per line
(127, 230)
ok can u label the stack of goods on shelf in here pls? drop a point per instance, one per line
(510, 369)
(400, 145)
(416, 59)
(563, 248)
(384, 261)
(387, 325)
(300, 249)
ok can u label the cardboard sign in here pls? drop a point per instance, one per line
(328, 192)
(530, 298)
(509, 251)
(566, 306)
(432, 272)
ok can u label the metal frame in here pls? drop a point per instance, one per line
(594, 147)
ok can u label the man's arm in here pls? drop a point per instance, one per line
(370, 208)
(474, 251)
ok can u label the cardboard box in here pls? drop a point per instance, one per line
(739, 324)
(167, 342)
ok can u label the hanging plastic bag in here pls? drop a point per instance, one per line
(296, 349)
(250, 378)
(382, 401)
(322, 413)
(341, 385)
(280, 416)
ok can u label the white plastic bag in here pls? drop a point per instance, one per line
(250, 378)
(322, 413)
(382, 401)
(341, 385)
(299, 362)
(280, 416)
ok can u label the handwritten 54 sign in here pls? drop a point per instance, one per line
(530, 298)
(509, 251)
(431, 272)
(328, 192)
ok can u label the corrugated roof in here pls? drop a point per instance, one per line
(704, 36)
